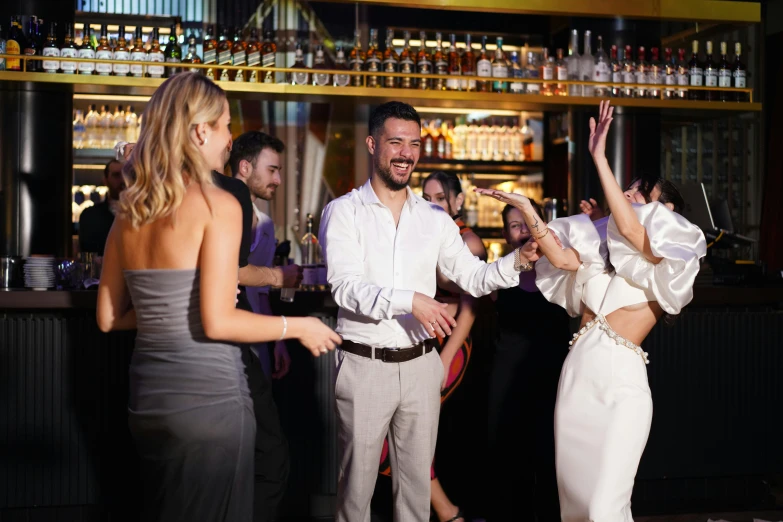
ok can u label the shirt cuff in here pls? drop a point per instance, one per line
(506, 265)
(402, 302)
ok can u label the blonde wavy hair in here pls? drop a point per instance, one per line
(166, 158)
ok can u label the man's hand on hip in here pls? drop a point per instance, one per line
(433, 315)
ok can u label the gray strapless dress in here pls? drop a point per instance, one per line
(190, 411)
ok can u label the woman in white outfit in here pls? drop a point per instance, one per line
(621, 274)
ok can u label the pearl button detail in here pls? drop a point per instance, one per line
(600, 320)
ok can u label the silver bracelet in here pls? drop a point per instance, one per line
(518, 265)
(285, 327)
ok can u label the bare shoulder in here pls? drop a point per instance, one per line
(222, 203)
(475, 244)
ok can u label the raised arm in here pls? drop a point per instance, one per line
(624, 216)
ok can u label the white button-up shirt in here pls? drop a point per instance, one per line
(375, 268)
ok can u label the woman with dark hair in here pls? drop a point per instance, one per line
(621, 283)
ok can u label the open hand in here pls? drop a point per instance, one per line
(433, 315)
(598, 131)
(592, 209)
(515, 200)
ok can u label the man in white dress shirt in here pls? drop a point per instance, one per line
(382, 245)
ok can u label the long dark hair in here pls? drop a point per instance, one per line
(451, 186)
(669, 191)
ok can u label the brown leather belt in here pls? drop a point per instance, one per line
(390, 355)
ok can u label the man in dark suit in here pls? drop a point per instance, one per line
(95, 222)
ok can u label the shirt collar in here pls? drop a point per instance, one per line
(369, 197)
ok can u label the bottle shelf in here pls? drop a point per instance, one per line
(121, 85)
(510, 167)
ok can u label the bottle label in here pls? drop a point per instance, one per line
(300, 78)
(533, 88)
(499, 70)
(468, 85)
(724, 78)
(682, 77)
(103, 68)
(484, 68)
(309, 275)
(341, 80)
(670, 79)
(617, 77)
(629, 77)
(696, 75)
(13, 47)
(51, 65)
(86, 67)
(239, 57)
(641, 77)
(138, 56)
(68, 52)
(390, 65)
(549, 73)
(156, 71)
(711, 78)
(407, 66)
(254, 58)
(268, 60)
(453, 84)
(224, 58)
(121, 69)
(517, 87)
(602, 72)
(562, 73)
(441, 67)
(654, 77)
(320, 79)
(210, 56)
(373, 64)
(739, 79)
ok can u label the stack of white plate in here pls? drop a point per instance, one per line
(39, 272)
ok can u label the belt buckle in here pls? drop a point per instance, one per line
(383, 355)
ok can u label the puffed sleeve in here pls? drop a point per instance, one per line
(672, 237)
(565, 287)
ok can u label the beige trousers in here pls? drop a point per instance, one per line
(373, 399)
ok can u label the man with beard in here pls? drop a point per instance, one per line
(256, 160)
(96, 221)
(382, 245)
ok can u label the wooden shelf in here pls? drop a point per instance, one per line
(510, 167)
(114, 85)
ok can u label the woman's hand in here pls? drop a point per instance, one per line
(317, 337)
(515, 200)
(592, 209)
(598, 131)
(445, 360)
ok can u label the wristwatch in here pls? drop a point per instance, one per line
(518, 266)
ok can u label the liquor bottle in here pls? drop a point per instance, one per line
(573, 64)
(155, 55)
(587, 66)
(341, 80)
(268, 52)
(86, 52)
(724, 73)
(131, 123)
(440, 63)
(238, 57)
(192, 54)
(224, 54)
(739, 73)
(118, 124)
(532, 72)
(602, 71)
(641, 73)
(683, 74)
(423, 62)
(253, 55)
(173, 53)
(299, 77)
(710, 74)
(68, 50)
(79, 130)
(210, 52)
(515, 71)
(32, 48)
(654, 75)
(2, 49)
(547, 74)
(617, 73)
(695, 73)
(669, 74)
(311, 256)
(561, 67)
(91, 135)
(391, 61)
(407, 62)
(121, 52)
(319, 62)
(14, 45)
(103, 52)
(468, 65)
(484, 67)
(455, 64)
(51, 50)
(500, 68)
(372, 63)
(629, 73)
(138, 54)
(104, 128)
(356, 59)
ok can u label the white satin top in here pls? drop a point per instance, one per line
(614, 274)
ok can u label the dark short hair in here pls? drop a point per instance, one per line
(507, 211)
(249, 145)
(393, 109)
(669, 191)
(108, 165)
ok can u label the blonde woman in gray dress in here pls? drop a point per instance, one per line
(621, 274)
